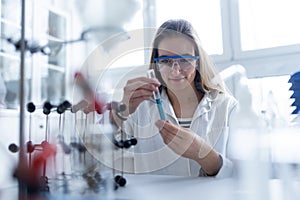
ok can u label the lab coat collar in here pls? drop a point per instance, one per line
(203, 107)
(167, 104)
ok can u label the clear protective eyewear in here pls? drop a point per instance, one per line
(166, 63)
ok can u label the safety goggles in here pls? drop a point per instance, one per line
(167, 63)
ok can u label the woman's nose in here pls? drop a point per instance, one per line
(176, 67)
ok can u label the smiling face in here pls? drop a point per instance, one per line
(177, 79)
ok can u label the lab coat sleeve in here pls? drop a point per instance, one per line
(128, 125)
(137, 120)
(227, 169)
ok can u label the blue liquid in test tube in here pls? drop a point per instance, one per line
(156, 95)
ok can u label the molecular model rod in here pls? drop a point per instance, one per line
(22, 154)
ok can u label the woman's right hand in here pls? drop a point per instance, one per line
(136, 91)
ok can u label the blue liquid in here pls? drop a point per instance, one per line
(160, 109)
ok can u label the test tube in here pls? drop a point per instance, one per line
(156, 96)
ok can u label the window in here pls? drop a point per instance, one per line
(204, 15)
(269, 23)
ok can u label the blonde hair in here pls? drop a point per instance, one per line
(206, 78)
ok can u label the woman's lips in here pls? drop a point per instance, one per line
(177, 79)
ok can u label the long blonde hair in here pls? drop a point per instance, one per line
(205, 72)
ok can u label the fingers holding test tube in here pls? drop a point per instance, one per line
(137, 90)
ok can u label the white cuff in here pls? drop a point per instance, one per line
(226, 170)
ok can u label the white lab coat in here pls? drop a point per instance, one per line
(210, 121)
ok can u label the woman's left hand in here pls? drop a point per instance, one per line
(190, 145)
(181, 140)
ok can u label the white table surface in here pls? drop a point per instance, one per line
(146, 187)
(170, 187)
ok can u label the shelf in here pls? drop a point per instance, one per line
(56, 68)
(45, 75)
(11, 23)
(5, 112)
(9, 56)
(54, 39)
(13, 57)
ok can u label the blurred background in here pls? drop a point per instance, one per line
(255, 45)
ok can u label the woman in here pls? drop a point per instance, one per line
(193, 139)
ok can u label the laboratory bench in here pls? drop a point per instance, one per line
(146, 187)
